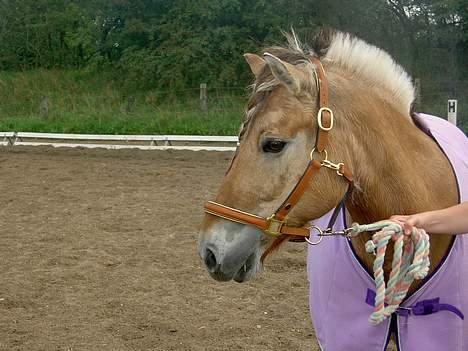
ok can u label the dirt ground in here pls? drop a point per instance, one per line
(98, 252)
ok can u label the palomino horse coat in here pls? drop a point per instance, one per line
(396, 168)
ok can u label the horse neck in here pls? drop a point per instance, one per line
(397, 168)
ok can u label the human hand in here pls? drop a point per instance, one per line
(450, 220)
(407, 222)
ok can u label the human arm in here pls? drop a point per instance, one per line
(451, 220)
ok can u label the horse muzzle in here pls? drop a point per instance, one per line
(230, 253)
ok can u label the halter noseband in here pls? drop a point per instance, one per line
(275, 225)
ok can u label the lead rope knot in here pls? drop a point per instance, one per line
(410, 262)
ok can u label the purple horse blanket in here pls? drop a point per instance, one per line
(431, 319)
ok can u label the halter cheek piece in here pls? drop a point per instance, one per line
(275, 225)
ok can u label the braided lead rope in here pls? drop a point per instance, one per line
(410, 262)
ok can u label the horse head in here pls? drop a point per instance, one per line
(276, 142)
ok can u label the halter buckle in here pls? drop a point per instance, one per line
(319, 118)
(273, 226)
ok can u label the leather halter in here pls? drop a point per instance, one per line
(275, 225)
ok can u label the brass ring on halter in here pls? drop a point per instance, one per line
(320, 232)
(319, 119)
(314, 150)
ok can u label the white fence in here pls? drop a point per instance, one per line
(142, 142)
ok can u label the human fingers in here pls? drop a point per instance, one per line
(409, 224)
(400, 219)
(407, 228)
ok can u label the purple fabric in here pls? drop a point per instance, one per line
(338, 283)
(421, 308)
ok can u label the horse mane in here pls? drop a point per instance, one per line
(373, 65)
(347, 52)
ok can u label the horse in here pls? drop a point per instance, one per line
(326, 127)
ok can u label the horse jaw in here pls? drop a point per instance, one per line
(230, 251)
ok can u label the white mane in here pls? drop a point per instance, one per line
(373, 65)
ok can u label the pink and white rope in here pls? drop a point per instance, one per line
(410, 262)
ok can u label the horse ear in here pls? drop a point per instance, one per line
(287, 74)
(256, 63)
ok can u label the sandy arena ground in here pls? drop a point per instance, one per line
(98, 252)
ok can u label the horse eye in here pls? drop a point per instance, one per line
(273, 145)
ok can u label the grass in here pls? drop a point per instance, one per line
(86, 102)
(79, 102)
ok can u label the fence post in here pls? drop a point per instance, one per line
(44, 107)
(452, 111)
(129, 105)
(203, 98)
(417, 84)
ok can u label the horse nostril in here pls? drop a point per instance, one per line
(210, 260)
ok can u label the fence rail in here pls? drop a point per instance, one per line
(142, 142)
